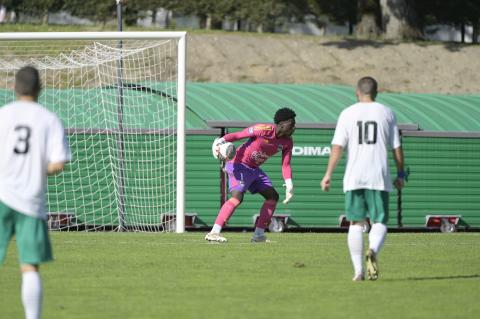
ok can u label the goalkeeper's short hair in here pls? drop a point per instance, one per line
(284, 114)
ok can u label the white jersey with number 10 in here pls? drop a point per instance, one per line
(367, 131)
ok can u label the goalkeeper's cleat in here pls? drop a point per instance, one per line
(259, 239)
(372, 266)
(359, 277)
(215, 237)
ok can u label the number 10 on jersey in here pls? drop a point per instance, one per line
(367, 132)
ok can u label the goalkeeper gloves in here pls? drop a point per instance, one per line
(288, 190)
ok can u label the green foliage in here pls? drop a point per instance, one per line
(40, 8)
(204, 9)
(449, 12)
(340, 11)
(458, 13)
(263, 15)
(97, 10)
(126, 275)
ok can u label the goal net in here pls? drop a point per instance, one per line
(121, 97)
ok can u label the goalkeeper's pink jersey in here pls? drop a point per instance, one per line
(261, 145)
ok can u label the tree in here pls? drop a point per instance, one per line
(458, 13)
(264, 15)
(39, 8)
(399, 20)
(98, 10)
(369, 19)
(210, 12)
(340, 11)
(154, 5)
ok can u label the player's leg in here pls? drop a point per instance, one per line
(32, 291)
(7, 229)
(226, 211)
(239, 178)
(266, 212)
(377, 202)
(356, 213)
(264, 187)
(34, 248)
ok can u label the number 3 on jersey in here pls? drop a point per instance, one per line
(23, 139)
(367, 132)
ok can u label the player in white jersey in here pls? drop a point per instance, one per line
(33, 145)
(366, 130)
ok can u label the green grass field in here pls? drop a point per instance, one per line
(126, 275)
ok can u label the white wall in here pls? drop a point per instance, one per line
(448, 33)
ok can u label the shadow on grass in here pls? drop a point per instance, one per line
(436, 278)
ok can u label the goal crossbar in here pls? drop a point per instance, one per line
(113, 35)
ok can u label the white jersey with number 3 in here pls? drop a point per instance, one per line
(31, 137)
(367, 131)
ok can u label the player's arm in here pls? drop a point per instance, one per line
(232, 137)
(58, 150)
(287, 174)
(399, 162)
(248, 132)
(55, 168)
(339, 142)
(335, 156)
(256, 130)
(397, 154)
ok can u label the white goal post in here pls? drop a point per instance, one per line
(121, 97)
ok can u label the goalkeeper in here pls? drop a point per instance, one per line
(244, 173)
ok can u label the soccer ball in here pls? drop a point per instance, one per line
(227, 151)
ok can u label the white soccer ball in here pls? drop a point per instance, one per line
(227, 151)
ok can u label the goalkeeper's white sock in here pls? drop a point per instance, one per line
(32, 294)
(216, 229)
(355, 245)
(377, 236)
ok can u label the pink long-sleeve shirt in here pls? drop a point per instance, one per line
(261, 145)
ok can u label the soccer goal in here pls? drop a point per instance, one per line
(121, 97)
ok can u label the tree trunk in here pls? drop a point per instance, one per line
(45, 17)
(203, 21)
(476, 31)
(154, 16)
(168, 19)
(208, 22)
(367, 27)
(462, 28)
(399, 20)
(369, 19)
